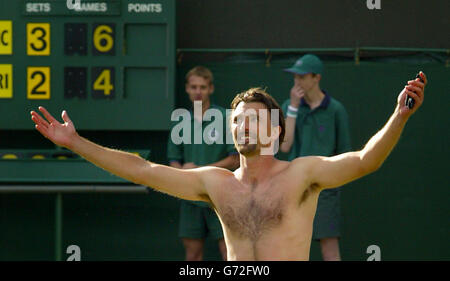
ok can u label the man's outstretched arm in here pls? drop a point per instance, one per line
(186, 184)
(328, 172)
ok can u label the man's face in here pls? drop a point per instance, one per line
(306, 81)
(199, 88)
(251, 128)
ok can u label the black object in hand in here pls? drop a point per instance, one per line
(409, 102)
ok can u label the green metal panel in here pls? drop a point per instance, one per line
(53, 170)
(141, 39)
(27, 227)
(104, 226)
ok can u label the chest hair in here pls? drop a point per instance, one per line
(250, 219)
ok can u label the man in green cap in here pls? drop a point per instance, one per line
(198, 219)
(317, 124)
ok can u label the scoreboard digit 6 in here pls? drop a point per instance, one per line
(109, 63)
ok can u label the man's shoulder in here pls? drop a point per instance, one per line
(216, 171)
(215, 175)
(304, 162)
(335, 104)
(298, 173)
(217, 107)
(222, 110)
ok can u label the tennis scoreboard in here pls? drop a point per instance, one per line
(110, 64)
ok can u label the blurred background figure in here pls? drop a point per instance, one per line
(198, 219)
(317, 124)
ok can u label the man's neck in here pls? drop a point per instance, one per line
(255, 168)
(314, 97)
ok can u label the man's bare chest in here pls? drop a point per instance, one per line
(251, 212)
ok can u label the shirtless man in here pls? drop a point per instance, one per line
(267, 206)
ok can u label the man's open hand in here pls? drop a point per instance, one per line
(60, 134)
(415, 89)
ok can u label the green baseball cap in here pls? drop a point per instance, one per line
(307, 64)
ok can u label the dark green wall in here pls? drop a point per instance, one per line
(311, 24)
(104, 226)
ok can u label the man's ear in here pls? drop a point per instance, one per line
(319, 77)
(211, 88)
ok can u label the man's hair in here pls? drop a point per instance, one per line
(259, 95)
(200, 71)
